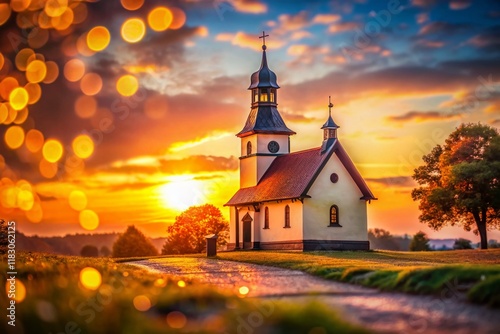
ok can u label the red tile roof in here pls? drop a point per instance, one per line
(291, 175)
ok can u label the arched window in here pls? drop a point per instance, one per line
(266, 218)
(334, 216)
(249, 148)
(287, 216)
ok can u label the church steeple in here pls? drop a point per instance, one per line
(329, 128)
(264, 116)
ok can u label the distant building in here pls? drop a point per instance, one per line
(307, 200)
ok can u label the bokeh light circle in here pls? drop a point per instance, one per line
(98, 38)
(133, 30)
(83, 146)
(90, 278)
(52, 150)
(127, 85)
(89, 220)
(160, 18)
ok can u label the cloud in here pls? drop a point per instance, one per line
(340, 27)
(424, 3)
(245, 40)
(442, 28)
(422, 18)
(288, 22)
(394, 181)
(421, 116)
(326, 18)
(487, 41)
(459, 4)
(249, 6)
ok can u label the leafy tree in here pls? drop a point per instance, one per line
(105, 251)
(382, 239)
(420, 242)
(89, 251)
(187, 234)
(462, 243)
(460, 181)
(133, 243)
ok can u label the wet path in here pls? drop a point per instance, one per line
(380, 311)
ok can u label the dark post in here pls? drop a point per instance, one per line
(211, 245)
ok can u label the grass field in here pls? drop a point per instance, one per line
(62, 294)
(474, 273)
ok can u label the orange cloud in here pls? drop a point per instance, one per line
(245, 40)
(342, 27)
(421, 116)
(326, 18)
(249, 6)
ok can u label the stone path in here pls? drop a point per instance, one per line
(380, 311)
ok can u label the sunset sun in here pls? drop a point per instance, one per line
(181, 193)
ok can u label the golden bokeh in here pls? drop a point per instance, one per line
(74, 70)
(89, 220)
(52, 72)
(2, 60)
(14, 137)
(6, 87)
(18, 98)
(91, 84)
(35, 215)
(34, 92)
(243, 290)
(77, 200)
(176, 319)
(85, 106)
(98, 38)
(181, 284)
(4, 12)
(36, 71)
(22, 57)
(132, 4)
(55, 8)
(25, 200)
(21, 116)
(52, 150)
(20, 290)
(90, 278)
(142, 303)
(47, 169)
(34, 140)
(127, 85)
(4, 112)
(133, 30)
(83, 146)
(179, 18)
(63, 21)
(82, 46)
(19, 5)
(80, 12)
(160, 18)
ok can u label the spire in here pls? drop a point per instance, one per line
(329, 129)
(330, 124)
(264, 77)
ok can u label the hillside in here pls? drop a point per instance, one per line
(71, 244)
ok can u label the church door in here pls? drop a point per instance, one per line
(247, 232)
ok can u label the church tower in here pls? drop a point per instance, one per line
(265, 135)
(329, 129)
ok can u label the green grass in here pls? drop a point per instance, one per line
(57, 302)
(474, 274)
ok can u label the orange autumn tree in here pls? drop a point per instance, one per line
(133, 243)
(187, 234)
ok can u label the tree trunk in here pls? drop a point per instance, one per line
(481, 227)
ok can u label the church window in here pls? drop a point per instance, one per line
(263, 95)
(266, 218)
(273, 94)
(249, 148)
(255, 95)
(334, 216)
(334, 178)
(287, 216)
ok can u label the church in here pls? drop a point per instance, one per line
(308, 200)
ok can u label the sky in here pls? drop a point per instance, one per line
(124, 112)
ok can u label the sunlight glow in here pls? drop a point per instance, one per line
(77, 200)
(181, 193)
(90, 278)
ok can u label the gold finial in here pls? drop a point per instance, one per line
(264, 47)
(330, 105)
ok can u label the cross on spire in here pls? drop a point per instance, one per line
(264, 40)
(330, 105)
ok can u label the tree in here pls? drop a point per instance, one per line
(133, 243)
(420, 242)
(89, 251)
(460, 181)
(382, 239)
(105, 251)
(187, 234)
(462, 243)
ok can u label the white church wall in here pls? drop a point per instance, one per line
(248, 172)
(277, 231)
(345, 194)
